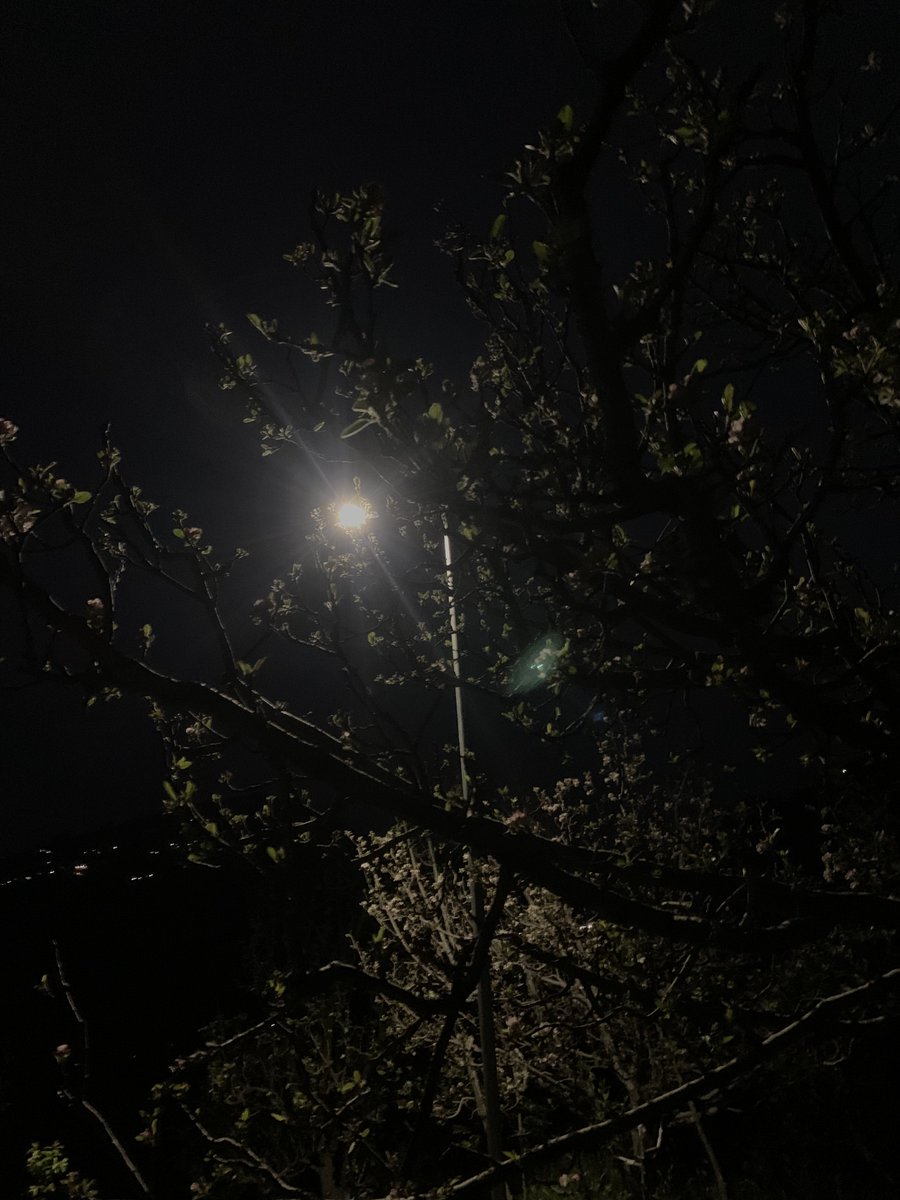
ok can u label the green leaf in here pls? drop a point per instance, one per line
(179, 533)
(700, 365)
(80, 498)
(541, 251)
(566, 117)
(248, 669)
(497, 227)
(435, 413)
(170, 791)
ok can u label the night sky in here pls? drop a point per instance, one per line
(162, 159)
(159, 159)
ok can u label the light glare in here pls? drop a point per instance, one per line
(351, 516)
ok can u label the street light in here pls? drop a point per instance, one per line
(352, 517)
(454, 659)
(484, 992)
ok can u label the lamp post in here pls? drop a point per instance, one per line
(484, 993)
(352, 517)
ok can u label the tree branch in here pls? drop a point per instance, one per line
(703, 1089)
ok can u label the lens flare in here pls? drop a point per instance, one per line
(538, 665)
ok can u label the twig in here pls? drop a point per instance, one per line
(82, 1099)
(713, 1083)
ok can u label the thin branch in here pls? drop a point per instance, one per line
(82, 1099)
(245, 1155)
(461, 988)
(703, 1089)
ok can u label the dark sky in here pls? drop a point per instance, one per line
(159, 159)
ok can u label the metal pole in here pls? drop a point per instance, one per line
(484, 995)
(457, 677)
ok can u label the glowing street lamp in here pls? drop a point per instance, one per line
(352, 516)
